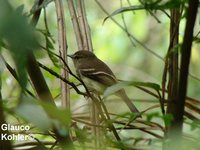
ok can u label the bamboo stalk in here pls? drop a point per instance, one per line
(65, 93)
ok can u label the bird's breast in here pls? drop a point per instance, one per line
(93, 85)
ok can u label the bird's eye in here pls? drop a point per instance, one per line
(76, 57)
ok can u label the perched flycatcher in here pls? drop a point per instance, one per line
(97, 76)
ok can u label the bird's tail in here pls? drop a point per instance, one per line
(122, 94)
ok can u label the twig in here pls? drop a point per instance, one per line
(61, 78)
(141, 128)
(125, 26)
(33, 143)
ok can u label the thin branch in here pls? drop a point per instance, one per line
(125, 25)
(14, 74)
(76, 25)
(63, 50)
(61, 78)
(140, 128)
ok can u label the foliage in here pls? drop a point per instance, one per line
(14, 35)
(104, 123)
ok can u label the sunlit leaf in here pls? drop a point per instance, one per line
(112, 89)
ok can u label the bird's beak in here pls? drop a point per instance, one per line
(71, 56)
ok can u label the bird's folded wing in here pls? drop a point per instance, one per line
(98, 76)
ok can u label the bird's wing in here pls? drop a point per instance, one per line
(98, 76)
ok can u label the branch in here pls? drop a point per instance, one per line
(34, 71)
(175, 129)
(61, 78)
(185, 61)
(63, 50)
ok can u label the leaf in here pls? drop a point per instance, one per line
(167, 118)
(150, 116)
(112, 89)
(61, 118)
(147, 6)
(20, 37)
(33, 113)
(49, 44)
(54, 59)
(62, 115)
(124, 9)
(20, 9)
(195, 124)
(44, 115)
(36, 7)
(49, 47)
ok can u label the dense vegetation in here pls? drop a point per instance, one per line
(151, 45)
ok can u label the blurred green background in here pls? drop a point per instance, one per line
(129, 61)
(112, 45)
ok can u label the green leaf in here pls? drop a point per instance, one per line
(147, 6)
(53, 58)
(150, 116)
(112, 89)
(62, 115)
(44, 115)
(49, 44)
(20, 9)
(43, 5)
(195, 124)
(49, 47)
(19, 36)
(124, 9)
(167, 118)
(32, 112)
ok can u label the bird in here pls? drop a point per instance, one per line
(97, 76)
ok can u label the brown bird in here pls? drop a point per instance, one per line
(97, 76)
